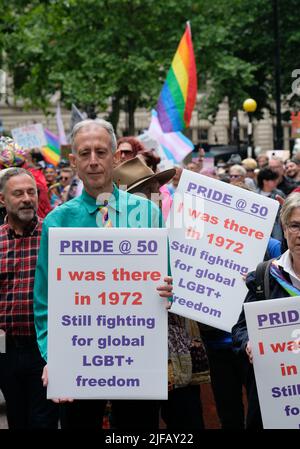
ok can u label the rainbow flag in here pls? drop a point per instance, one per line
(51, 152)
(178, 95)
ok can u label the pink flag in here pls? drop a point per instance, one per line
(175, 145)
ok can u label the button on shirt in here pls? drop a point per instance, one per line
(125, 211)
(17, 269)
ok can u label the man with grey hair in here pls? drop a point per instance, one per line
(102, 124)
(238, 174)
(93, 144)
(21, 364)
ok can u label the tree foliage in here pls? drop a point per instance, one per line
(238, 43)
(96, 50)
(93, 50)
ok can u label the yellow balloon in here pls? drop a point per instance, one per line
(249, 105)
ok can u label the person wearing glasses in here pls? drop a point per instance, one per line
(66, 175)
(65, 179)
(250, 166)
(238, 175)
(58, 191)
(284, 278)
(127, 148)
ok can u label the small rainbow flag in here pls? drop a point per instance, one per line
(51, 152)
(178, 95)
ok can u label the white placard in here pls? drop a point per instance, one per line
(218, 232)
(107, 323)
(208, 162)
(274, 333)
(282, 154)
(31, 136)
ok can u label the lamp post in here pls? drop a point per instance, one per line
(249, 106)
(276, 13)
(235, 132)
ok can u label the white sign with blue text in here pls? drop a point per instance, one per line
(30, 136)
(107, 323)
(274, 334)
(218, 232)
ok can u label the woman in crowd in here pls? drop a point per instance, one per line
(127, 148)
(284, 280)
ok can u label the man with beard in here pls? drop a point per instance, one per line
(21, 364)
(292, 171)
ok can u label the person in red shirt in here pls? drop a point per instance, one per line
(21, 364)
(44, 206)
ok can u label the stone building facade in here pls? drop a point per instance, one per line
(200, 131)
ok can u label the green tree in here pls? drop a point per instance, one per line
(94, 51)
(238, 46)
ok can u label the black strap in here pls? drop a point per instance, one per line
(263, 280)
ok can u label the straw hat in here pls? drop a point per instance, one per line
(249, 163)
(135, 173)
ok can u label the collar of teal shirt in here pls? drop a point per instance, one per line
(115, 200)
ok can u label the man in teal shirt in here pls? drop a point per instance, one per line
(93, 144)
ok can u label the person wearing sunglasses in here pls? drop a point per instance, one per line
(128, 147)
(66, 175)
(57, 192)
(238, 175)
(250, 166)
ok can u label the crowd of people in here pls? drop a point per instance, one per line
(35, 196)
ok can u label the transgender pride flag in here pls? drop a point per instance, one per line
(178, 95)
(175, 145)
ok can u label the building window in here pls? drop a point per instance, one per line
(243, 135)
(188, 132)
(202, 135)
